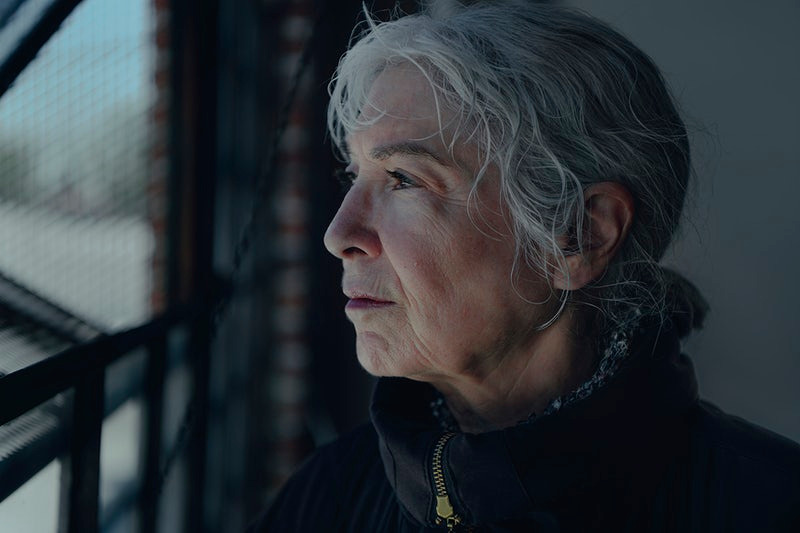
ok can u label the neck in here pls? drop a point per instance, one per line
(522, 381)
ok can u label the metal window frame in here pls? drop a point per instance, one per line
(47, 25)
(81, 368)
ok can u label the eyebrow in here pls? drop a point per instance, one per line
(408, 148)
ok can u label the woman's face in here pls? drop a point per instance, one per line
(431, 292)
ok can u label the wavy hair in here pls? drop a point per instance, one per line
(557, 101)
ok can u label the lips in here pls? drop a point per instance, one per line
(360, 300)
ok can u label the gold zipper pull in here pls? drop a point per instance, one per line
(444, 509)
(446, 514)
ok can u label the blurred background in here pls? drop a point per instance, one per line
(158, 156)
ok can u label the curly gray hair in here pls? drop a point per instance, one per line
(557, 101)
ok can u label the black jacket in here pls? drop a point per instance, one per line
(640, 454)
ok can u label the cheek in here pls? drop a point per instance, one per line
(445, 265)
(417, 243)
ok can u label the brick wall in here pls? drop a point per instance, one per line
(288, 389)
(157, 190)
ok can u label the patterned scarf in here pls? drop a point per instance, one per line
(616, 350)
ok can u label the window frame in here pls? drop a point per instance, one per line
(82, 367)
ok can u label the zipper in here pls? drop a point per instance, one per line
(445, 514)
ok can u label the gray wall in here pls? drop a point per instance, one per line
(734, 67)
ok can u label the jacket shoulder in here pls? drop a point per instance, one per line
(323, 490)
(774, 453)
(743, 472)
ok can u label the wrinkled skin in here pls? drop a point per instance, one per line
(410, 240)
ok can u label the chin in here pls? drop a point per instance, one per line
(378, 361)
(371, 352)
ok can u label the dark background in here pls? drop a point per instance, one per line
(734, 68)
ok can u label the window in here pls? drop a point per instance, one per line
(131, 174)
(78, 138)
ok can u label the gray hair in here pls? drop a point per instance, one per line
(557, 101)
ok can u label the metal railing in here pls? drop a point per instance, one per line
(81, 368)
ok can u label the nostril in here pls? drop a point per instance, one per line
(354, 250)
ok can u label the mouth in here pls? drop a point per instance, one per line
(363, 301)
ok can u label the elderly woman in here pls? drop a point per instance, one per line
(515, 173)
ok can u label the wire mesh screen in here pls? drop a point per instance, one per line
(75, 145)
(76, 231)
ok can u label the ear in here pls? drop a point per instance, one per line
(609, 214)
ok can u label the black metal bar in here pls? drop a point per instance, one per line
(30, 45)
(17, 469)
(195, 66)
(39, 309)
(200, 343)
(198, 445)
(154, 394)
(23, 464)
(24, 389)
(83, 481)
(8, 10)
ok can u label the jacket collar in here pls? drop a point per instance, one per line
(539, 465)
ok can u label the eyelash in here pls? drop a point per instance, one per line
(403, 181)
(346, 179)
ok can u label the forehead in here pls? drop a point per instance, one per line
(402, 91)
(400, 106)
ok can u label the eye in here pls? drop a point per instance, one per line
(401, 180)
(345, 178)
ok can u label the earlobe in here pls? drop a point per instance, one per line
(609, 211)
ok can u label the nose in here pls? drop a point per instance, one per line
(352, 233)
